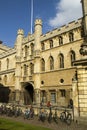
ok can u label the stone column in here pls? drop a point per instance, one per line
(12, 96)
(22, 97)
(56, 96)
(37, 96)
(47, 95)
(17, 96)
(75, 98)
(82, 88)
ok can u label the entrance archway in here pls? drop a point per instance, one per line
(4, 94)
(28, 93)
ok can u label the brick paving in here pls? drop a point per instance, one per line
(52, 126)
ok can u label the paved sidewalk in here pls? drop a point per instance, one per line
(53, 125)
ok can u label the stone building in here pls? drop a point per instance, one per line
(51, 66)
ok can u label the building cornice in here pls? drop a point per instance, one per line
(7, 53)
(7, 71)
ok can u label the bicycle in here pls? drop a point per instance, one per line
(55, 117)
(50, 116)
(66, 117)
(42, 115)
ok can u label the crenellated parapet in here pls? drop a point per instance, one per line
(63, 29)
(28, 38)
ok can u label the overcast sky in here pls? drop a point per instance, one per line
(15, 14)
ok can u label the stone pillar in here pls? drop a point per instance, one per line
(22, 97)
(56, 96)
(17, 96)
(47, 95)
(75, 98)
(12, 97)
(83, 49)
(82, 88)
(37, 96)
(18, 46)
(37, 81)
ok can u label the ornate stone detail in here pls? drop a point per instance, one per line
(37, 53)
(38, 22)
(20, 32)
(83, 50)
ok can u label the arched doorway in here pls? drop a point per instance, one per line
(4, 94)
(28, 93)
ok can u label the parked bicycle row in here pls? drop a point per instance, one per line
(43, 114)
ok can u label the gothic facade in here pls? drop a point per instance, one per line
(51, 66)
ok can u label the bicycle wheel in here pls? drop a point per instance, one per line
(62, 116)
(69, 119)
(50, 119)
(56, 120)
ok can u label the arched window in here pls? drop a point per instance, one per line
(71, 37)
(13, 77)
(72, 57)
(32, 48)
(5, 79)
(7, 63)
(60, 40)
(26, 51)
(25, 69)
(61, 61)
(42, 65)
(51, 43)
(42, 46)
(31, 68)
(63, 92)
(51, 63)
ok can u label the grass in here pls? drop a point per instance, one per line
(7, 124)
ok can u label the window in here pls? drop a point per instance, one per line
(61, 80)
(42, 65)
(71, 37)
(7, 63)
(60, 40)
(53, 97)
(42, 46)
(5, 79)
(25, 69)
(72, 57)
(26, 51)
(31, 68)
(13, 77)
(63, 92)
(32, 48)
(51, 63)
(51, 43)
(61, 61)
(42, 82)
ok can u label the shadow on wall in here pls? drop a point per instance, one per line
(4, 94)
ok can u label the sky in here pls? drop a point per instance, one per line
(16, 14)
